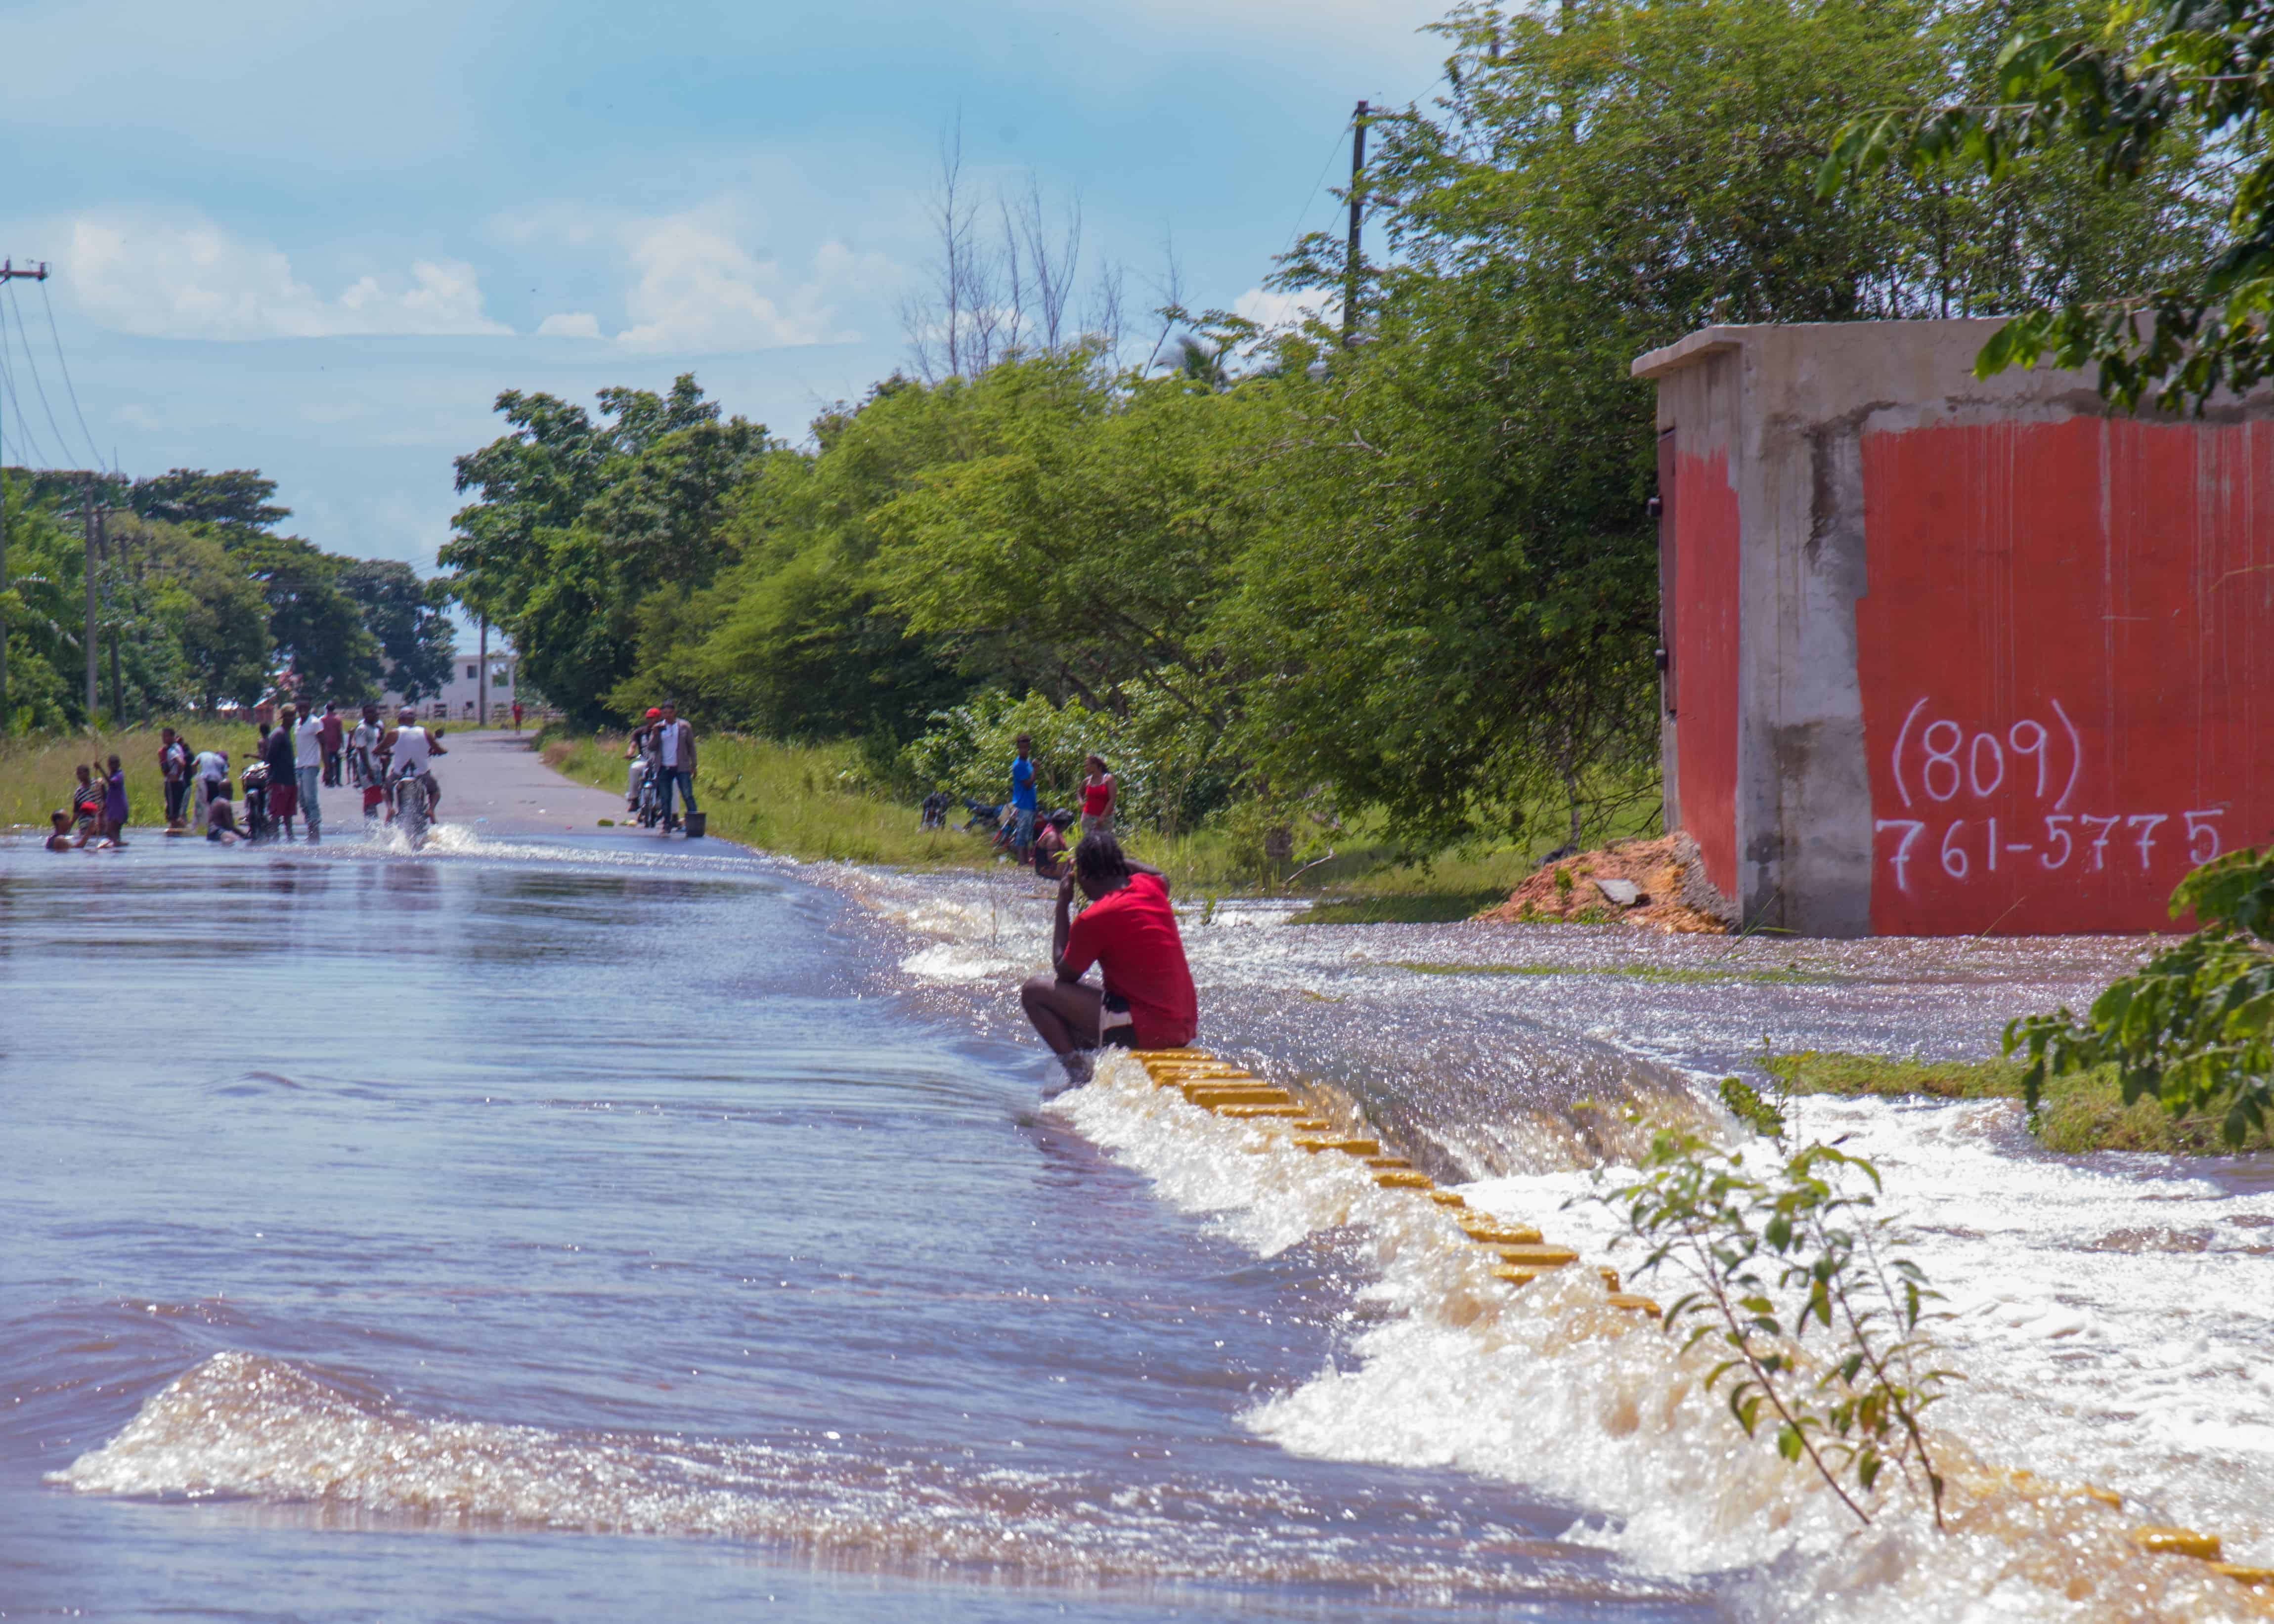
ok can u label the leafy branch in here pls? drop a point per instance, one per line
(2193, 1028)
(1772, 1256)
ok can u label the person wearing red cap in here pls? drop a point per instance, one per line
(638, 750)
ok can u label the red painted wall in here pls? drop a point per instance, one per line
(2067, 655)
(1704, 663)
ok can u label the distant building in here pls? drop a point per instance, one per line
(461, 699)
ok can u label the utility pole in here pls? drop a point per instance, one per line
(482, 664)
(8, 274)
(1352, 264)
(87, 522)
(110, 606)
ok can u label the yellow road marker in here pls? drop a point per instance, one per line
(2177, 1542)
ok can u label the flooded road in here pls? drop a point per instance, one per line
(536, 1229)
(546, 1225)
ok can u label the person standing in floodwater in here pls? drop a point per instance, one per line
(332, 732)
(1129, 932)
(174, 772)
(308, 754)
(283, 772)
(114, 804)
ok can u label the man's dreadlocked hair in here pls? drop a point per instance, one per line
(1099, 858)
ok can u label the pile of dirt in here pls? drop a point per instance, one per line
(1671, 893)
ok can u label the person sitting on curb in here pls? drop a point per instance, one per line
(1130, 933)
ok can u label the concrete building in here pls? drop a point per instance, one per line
(460, 700)
(1948, 655)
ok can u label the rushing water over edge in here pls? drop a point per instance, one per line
(1410, 1403)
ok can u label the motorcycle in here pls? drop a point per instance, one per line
(412, 815)
(651, 798)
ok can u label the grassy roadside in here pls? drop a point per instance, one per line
(817, 802)
(36, 775)
(2077, 1114)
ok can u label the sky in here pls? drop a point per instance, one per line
(318, 240)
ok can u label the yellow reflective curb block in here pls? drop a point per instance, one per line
(2177, 1542)
(2244, 1575)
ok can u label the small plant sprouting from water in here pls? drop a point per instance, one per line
(1770, 1258)
(1746, 1104)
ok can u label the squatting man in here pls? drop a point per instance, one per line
(1129, 931)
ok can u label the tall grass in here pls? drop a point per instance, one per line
(36, 772)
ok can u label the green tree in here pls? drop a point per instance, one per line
(316, 626)
(2128, 107)
(409, 621)
(213, 609)
(233, 502)
(40, 607)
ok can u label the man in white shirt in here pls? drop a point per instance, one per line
(363, 761)
(674, 743)
(212, 781)
(308, 767)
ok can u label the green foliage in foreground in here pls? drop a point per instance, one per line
(2074, 1114)
(1771, 1254)
(2193, 1028)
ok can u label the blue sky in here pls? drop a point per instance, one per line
(318, 240)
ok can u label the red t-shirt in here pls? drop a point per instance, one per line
(1131, 935)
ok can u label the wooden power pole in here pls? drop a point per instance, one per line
(482, 664)
(1353, 263)
(9, 272)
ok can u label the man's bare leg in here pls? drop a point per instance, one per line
(1064, 1012)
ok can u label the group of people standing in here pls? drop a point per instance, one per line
(294, 761)
(1040, 842)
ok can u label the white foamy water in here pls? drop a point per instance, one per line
(1552, 1388)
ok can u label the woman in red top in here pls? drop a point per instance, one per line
(1130, 933)
(1097, 792)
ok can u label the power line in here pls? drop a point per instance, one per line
(24, 337)
(93, 452)
(27, 444)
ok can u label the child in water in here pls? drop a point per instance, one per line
(59, 839)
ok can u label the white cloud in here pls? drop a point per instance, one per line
(184, 277)
(1272, 308)
(134, 415)
(703, 279)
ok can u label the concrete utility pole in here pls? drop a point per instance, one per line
(88, 522)
(482, 664)
(1353, 262)
(9, 272)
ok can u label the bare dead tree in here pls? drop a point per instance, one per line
(1053, 253)
(1170, 288)
(938, 320)
(1102, 323)
(989, 294)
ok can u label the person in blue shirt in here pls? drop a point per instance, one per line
(1022, 798)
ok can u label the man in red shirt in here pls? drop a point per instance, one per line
(1130, 933)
